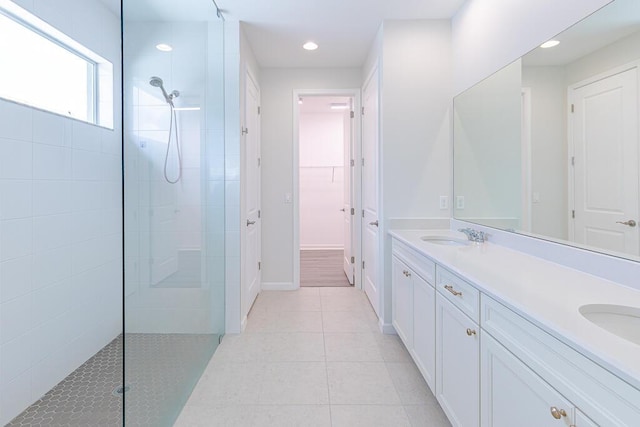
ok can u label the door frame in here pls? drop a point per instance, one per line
(356, 185)
(571, 182)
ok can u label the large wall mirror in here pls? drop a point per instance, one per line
(549, 145)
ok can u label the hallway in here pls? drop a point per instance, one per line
(312, 357)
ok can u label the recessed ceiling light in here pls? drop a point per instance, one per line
(164, 47)
(339, 106)
(310, 46)
(550, 43)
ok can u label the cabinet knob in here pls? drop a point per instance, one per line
(453, 291)
(470, 332)
(558, 413)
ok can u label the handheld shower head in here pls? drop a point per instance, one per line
(157, 82)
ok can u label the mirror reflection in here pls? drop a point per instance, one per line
(548, 146)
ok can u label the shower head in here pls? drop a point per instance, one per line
(155, 81)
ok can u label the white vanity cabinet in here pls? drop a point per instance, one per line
(512, 394)
(497, 365)
(457, 350)
(413, 307)
(603, 398)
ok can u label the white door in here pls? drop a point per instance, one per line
(347, 195)
(513, 395)
(605, 142)
(370, 192)
(251, 270)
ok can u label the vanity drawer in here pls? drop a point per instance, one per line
(461, 293)
(598, 393)
(420, 264)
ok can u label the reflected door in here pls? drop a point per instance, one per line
(605, 140)
(370, 192)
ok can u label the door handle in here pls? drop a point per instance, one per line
(630, 223)
(374, 223)
(250, 223)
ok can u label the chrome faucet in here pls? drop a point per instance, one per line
(474, 235)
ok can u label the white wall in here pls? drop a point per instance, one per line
(548, 149)
(616, 54)
(60, 226)
(487, 152)
(415, 127)
(489, 34)
(278, 85)
(322, 140)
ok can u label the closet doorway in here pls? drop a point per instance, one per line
(326, 190)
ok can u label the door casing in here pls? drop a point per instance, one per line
(355, 185)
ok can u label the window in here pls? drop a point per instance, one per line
(43, 68)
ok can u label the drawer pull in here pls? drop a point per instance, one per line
(470, 332)
(558, 413)
(453, 291)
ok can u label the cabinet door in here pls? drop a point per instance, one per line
(402, 302)
(457, 364)
(424, 329)
(583, 421)
(512, 394)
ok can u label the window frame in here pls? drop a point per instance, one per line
(96, 65)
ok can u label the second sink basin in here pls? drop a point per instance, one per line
(620, 320)
(445, 240)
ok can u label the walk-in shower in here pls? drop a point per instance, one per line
(173, 129)
(93, 207)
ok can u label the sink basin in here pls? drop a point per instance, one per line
(444, 240)
(620, 320)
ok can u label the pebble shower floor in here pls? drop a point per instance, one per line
(88, 397)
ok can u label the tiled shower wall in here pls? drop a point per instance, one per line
(60, 226)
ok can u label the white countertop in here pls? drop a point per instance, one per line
(547, 294)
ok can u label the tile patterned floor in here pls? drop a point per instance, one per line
(313, 357)
(161, 371)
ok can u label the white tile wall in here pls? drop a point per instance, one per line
(60, 219)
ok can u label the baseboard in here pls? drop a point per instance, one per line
(278, 286)
(386, 328)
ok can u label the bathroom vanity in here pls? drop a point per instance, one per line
(503, 338)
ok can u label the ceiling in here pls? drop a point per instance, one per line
(276, 29)
(609, 24)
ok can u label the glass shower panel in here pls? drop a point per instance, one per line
(174, 208)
